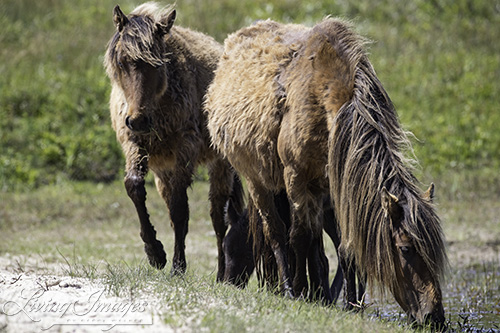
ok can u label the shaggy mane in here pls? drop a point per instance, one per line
(367, 148)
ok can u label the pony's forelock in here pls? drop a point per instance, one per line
(139, 38)
(154, 11)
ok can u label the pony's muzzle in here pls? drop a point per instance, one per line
(434, 320)
(138, 124)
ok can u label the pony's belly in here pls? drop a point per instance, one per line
(261, 167)
(162, 162)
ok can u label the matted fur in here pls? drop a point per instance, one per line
(301, 109)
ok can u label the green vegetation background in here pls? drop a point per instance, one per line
(438, 59)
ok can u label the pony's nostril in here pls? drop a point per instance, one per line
(127, 122)
(138, 124)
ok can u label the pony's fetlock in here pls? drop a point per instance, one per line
(156, 254)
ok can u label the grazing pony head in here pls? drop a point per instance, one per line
(135, 60)
(387, 224)
(238, 247)
(416, 276)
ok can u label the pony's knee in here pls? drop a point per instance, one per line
(135, 187)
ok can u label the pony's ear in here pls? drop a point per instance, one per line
(390, 203)
(119, 18)
(231, 215)
(429, 194)
(166, 23)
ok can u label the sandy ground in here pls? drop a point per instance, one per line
(36, 297)
(33, 300)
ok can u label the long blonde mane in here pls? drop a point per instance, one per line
(367, 152)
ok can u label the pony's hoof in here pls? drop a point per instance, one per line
(178, 269)
(220, 277)
(156, 255)
(288, 293)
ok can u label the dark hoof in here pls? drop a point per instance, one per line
(220, 278)
(178, 269)
(288, 293)
(156, 255)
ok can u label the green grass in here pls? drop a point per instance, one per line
(92, 231)
(439, 61)
(196, 302)
(83, 230)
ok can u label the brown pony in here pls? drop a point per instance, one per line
(159, 74)
(301, 109)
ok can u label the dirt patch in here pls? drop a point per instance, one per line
(31, 299)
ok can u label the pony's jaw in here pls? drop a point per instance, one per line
(422, 311)
(421, 301)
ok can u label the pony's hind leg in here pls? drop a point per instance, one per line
(173, 189)
(136, 190)
(275, 232)
(224, 183)
(306, 200)
(318, 271)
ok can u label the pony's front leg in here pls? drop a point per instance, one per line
(136, 190)
(300, 242)
(349, 274)
(306, 234)
(318, 271)
(173, 189)
(307, 243)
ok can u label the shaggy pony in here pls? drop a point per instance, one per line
(301, 109)
(159, 74)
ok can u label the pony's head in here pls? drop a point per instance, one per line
(237, 244)
(135, 60)
(416, 256)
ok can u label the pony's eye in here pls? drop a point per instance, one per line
(120, 64)
(405, 249)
